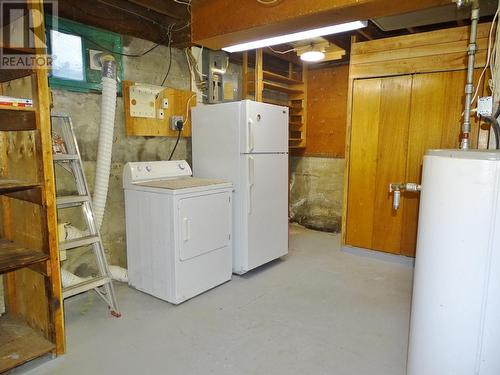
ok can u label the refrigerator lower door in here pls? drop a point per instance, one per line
(264, 210)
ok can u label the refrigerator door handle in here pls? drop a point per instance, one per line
(250, 135)
(251, 182)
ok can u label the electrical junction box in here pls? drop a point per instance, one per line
(143, 100)
(221, 86)
(485, 106)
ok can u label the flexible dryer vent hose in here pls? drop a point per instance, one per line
(105, 145)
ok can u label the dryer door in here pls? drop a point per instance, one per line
(204, 224)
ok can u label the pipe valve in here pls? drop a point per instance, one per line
(397, 188)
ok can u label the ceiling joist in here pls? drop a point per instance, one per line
(132, 18)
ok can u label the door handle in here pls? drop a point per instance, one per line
(251, 181)
(250, 135)
(397, 188)
(187, 229)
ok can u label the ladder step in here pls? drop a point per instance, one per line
(72, 200)
(93, 283)
(65, 157)
(78, 242)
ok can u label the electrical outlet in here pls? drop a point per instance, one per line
(174, 120)
(160, 114)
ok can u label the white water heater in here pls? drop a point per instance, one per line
(455, 318)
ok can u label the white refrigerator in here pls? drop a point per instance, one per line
(246, 142)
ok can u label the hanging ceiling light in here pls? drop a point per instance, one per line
(312, 56)
(302, 35)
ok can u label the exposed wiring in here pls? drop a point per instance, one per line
(179, 131)
(176, 143)
(97, 44)
(281, 52)
(132, 12)
(496, 129)
(169, 55)
(187, 108)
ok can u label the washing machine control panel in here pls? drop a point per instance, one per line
(136, 172)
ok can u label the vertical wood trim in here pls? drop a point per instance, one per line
(259, 75)
(350, 87)
(42, 105)
(244, 65)
(303, 134)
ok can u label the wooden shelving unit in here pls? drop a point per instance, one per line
(29, 258)
(274, 88)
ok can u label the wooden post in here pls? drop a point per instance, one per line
(259, 76)
(244, 65)
(42, 104)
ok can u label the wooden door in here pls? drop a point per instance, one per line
(379, 136)
(394, 121)
(435, 122)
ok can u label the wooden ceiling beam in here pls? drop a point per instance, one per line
(249, 20)
(167, 8)
(134, 21)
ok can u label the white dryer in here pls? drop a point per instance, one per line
(178, 230)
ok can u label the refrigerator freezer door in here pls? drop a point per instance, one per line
(264, 128)
(265, 211)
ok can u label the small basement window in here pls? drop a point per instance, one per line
(73, 47)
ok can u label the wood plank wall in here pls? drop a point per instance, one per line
(326, 112)
(434, 51)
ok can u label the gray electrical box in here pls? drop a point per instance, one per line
(221, 85)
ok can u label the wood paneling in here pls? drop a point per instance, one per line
(363, 167)
(391, 161)
(381, 109)
(415, 113)
(435, 122)
(250, 20)
(436, 61)
(433, 51)
(326, 112)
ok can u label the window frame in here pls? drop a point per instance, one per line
(88, 34)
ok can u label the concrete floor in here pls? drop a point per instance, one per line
(318, 311)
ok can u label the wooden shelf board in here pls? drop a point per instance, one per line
(295, 139)
(12, 186)
(19, 343)
(279, 78)
(280, 88)
(275, 102)
(14, 256)
(17, 119)
(12, 74)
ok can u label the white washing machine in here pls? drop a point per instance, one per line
(178, 230)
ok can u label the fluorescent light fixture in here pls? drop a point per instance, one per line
(308, 34)
(312, 56)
